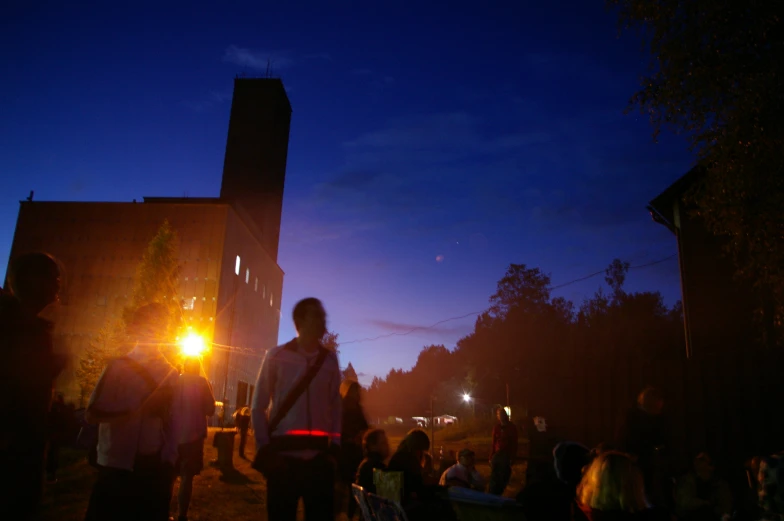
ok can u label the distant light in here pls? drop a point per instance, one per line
(439, 258)
(508, 412)
(192, 345)
(466, 397)
(237, 266)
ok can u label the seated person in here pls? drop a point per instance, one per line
(428, 471)
(463, 473)
(552, 499)
(376, 448)
(420, 500)
(701, 495)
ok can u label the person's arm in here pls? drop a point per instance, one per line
(209, 398)
(513, 441)
(495, 437)
(261, 400)
(337, 404)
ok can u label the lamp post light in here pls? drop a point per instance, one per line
(468, 399)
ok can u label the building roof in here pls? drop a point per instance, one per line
(661, 206)
(185, 200)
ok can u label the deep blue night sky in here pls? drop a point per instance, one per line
(430, 146)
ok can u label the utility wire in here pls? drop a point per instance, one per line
(255, 352)
(474, 313)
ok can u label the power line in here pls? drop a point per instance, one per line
(474, 313)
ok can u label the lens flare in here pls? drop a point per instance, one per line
(192, 345)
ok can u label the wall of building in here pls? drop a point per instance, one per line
(248, 313)
(731, 379)
(100, 246)
(254, 169)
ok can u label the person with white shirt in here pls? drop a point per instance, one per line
(296, 415)
(132, 405)
(463, 473)
(193, 402)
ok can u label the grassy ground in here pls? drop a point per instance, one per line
(238, 496)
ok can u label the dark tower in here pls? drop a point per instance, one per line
(254, 168)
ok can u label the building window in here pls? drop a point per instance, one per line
(270, 299)
(256, 285)
(237, 266)
(247, 275)
(188, 303)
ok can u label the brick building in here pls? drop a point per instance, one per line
(228, 246)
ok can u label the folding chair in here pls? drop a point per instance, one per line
(361, 498)
(386, 509)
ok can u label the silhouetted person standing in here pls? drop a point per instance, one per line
(354, 426)
(296, 416)
(132, 404)
(27, 373)
(643, 434)
(503, 453)
(242, 421)
(193, 402)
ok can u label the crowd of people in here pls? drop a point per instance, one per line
(146, 425)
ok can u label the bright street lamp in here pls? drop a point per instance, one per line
(192, 345)
(466, 397)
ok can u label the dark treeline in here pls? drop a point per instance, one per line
(576, 366)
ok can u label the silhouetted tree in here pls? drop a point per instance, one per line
(716, 74)
(350, 374)
(109, 343)
(158, 280)
(576, 369)
(521, 287)
(330, 341)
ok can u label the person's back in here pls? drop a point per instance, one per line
(413, 477)
(553, 497)
(193, 402)
(365, 471)
(132, 405)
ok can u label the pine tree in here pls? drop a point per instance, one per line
(109, 343)
(157, 280)
(350, 373)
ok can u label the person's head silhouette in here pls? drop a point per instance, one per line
(34, 279)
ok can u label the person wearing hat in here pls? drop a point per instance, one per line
(463, 473)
